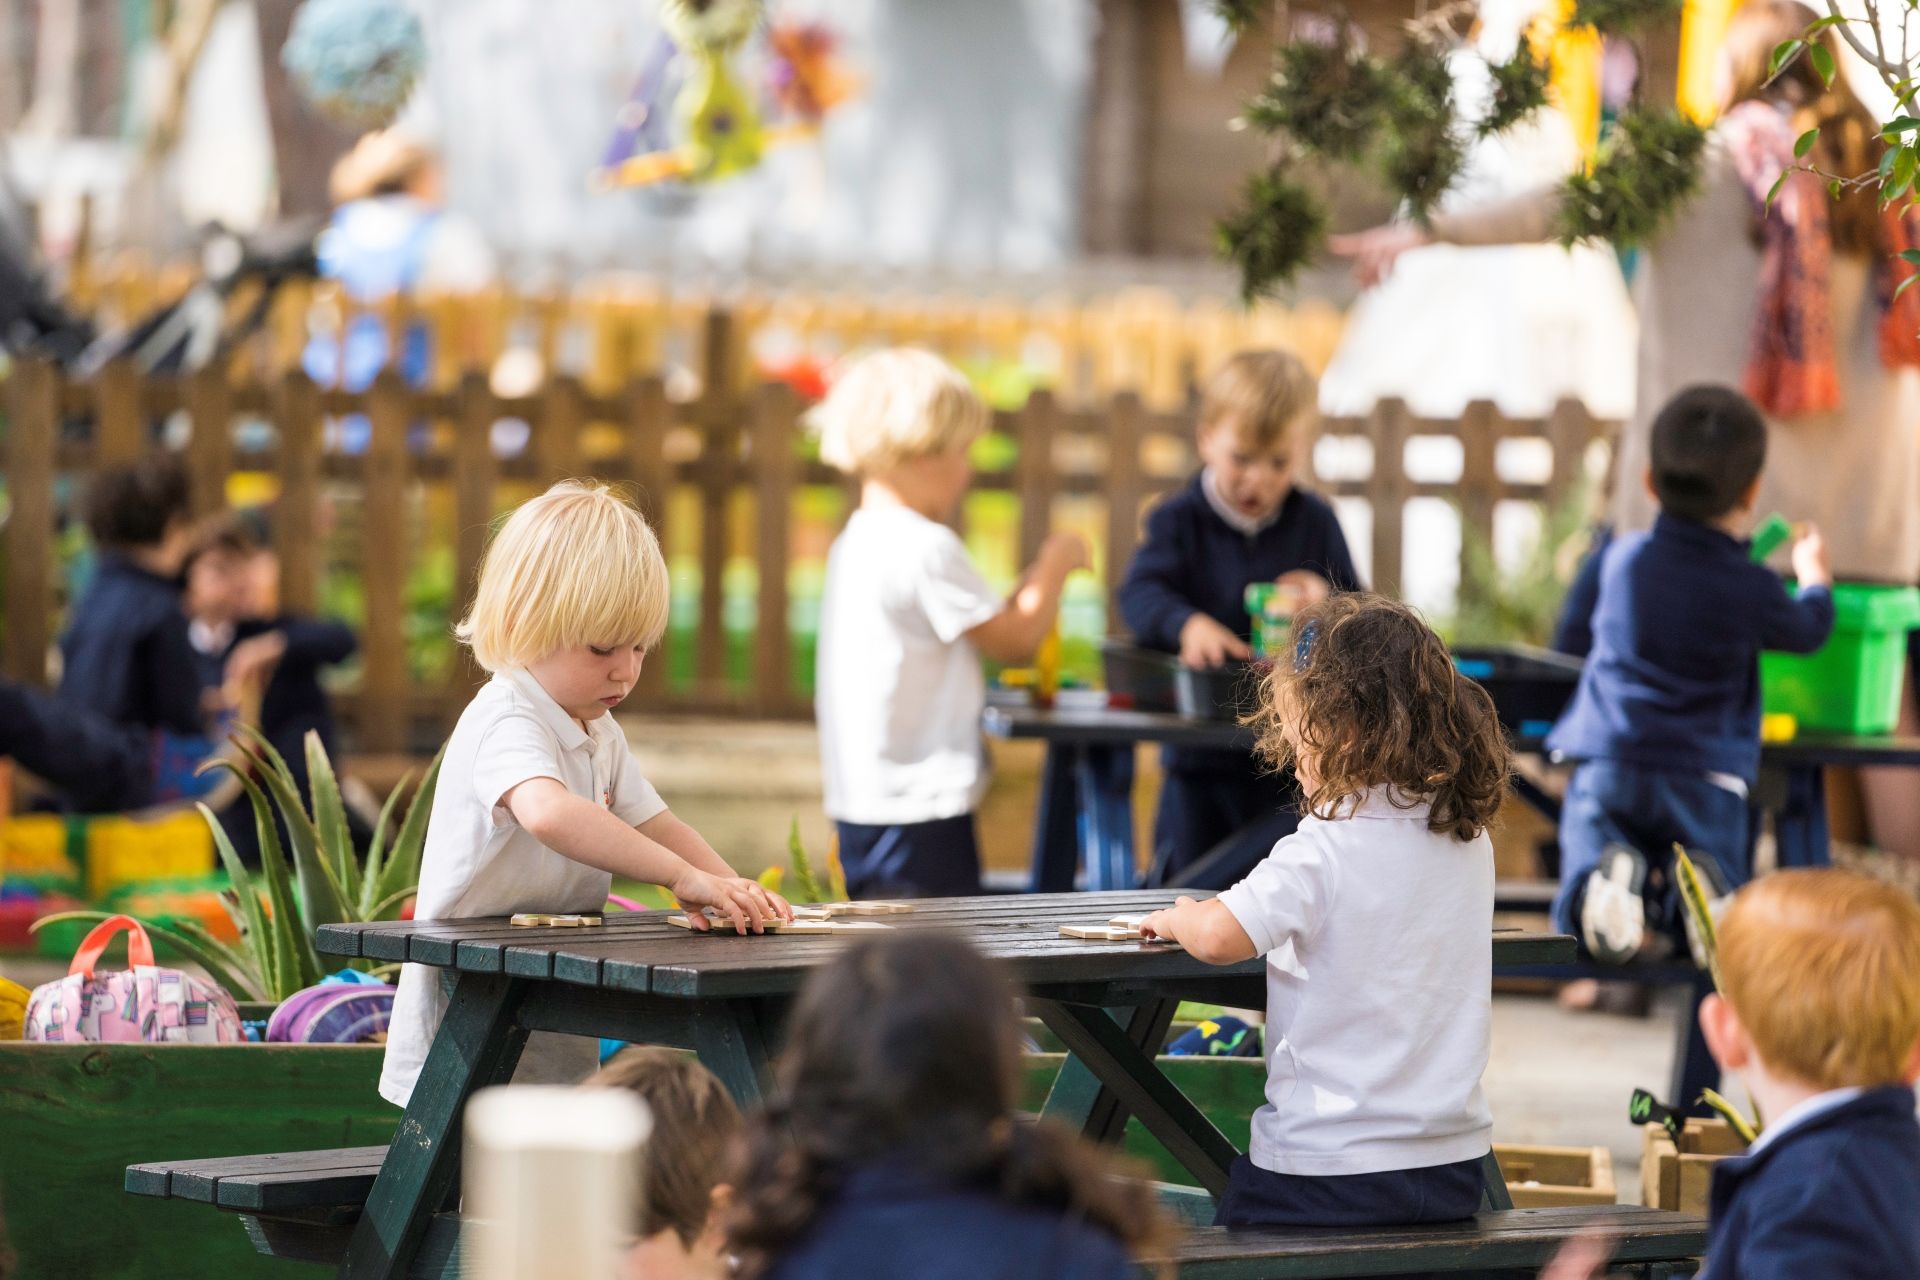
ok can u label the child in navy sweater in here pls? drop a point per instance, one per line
(1821, 1017)
(1665, 724)
(1241, 520)
(894, 1146)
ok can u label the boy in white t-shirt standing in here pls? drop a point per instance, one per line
(904, 622)
(539, 802)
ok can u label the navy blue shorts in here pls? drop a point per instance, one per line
(1259, 1197)
(938, 859)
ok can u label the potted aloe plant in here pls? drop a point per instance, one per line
(278, 908)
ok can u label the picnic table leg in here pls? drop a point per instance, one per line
(1056, 824)
(1080, 1101)
(1800, 824)
(1495, 1194)
(477, 1045)
(731, 1038)
(1104, 777)
(1092, 1035)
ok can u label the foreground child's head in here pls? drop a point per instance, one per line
(687, 1157)
(141, 509)
(1253, 412)
(906, 417)
(1820, 972)
(1709, 444)
(905, 1050)
(574, 589)
(1372, 699)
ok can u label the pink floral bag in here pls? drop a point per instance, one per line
(143, 1003)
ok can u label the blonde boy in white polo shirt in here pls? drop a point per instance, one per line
(539, 802)
(904, 621)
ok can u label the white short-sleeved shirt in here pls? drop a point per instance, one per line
(898, 690)
(479, 862)
(1377, 934)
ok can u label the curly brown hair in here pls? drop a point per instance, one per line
(906, 1049)
(1372, 699)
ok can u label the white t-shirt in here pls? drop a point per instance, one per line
(897, 689)
(479, 862)
(1377, 934)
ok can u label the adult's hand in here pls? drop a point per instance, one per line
(1374, 251)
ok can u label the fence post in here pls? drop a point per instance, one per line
(474, 471)
(715, 473)
(648, 416)
(32, 431)
(296, 523)
(556, 438)
(119, 426)
(775, 469)
(1570, 429)
(1032, 468)
(1126, 418)
(385, 701)
(1391, 427)
(210, 447)
(1479, 429)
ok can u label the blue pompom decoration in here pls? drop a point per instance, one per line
(356, 60)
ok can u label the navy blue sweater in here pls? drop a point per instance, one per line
(1673, 678)
(126, 654)
(889, 1220)
(1832, 1198)
(1193, 561)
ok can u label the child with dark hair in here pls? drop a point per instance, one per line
(1374, 1113)
(128, 711)
(1664, 728)
(893, 1146)
(684, 1191)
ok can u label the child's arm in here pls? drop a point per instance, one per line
(1152, 594)
(1206, 929)
(665, 829)
(578, 828)
(1015, 633)
(317, 640)
(1801, 623)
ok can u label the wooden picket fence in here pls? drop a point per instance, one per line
(720, 450)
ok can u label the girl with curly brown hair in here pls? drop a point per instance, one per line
(1374, 917)
(892, 1146)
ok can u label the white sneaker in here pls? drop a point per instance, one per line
(1613, 916)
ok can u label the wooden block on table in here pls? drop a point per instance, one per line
(1132, 922)
(1110, 933)
(800, 925)
(537, 919)
(834, 909)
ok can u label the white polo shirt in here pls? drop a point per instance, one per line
(898, 690)
(1377, 934)
(479, 862)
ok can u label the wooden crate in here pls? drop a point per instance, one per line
(1678, 1178)
(1548, 1177)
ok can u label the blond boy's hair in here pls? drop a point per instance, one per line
(1823, 969)
(1264, 397)
(576, 565)
(894, 406)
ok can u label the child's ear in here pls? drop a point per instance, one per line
(1911, 1071)
(1646, 478)
(1726, 1038)
(1751, 497)
(713, 1236)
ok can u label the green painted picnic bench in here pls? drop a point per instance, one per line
(383, 1213)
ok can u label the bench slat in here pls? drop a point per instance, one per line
(213, 1181)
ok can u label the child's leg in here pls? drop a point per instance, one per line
(938, 859)
(1259, 1197)
(1588, 828)
(100, 766)
(1711, 822)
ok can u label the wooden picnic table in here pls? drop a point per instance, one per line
(1084, 823)
(637, 978)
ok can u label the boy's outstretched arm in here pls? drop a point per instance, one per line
(1014, 634)
(1206, 929)
(1801, 623)
(584, 831)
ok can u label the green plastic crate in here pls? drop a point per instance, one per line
(1851, 684)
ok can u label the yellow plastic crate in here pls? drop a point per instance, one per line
(34, 845)
(123, 851)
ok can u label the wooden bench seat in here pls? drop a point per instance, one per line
(302, 1204)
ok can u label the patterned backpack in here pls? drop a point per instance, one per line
(145, 1002)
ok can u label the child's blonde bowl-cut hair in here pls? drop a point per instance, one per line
(893, 406)
(576, 565)
(1822, 966)
(1264, 397)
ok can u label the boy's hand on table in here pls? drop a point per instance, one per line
(1205, 643)
(1810, 558)
(749, 904)
(1309, 587)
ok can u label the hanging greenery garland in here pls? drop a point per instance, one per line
(1330, 98)
(1645, 170)
(1519, 89)
(1279, 225)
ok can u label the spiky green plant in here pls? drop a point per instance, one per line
(1646, 170)
(1623, 17)
(1519, 89)
(1277, 229)
(1330, 98)
(277, 911)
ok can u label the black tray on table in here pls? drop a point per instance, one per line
(1530, 687)
(1149, 680)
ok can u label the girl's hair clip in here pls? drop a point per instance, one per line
(1303, 644)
